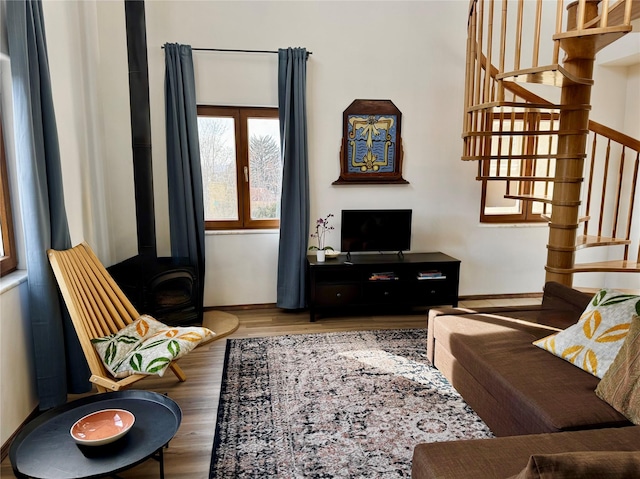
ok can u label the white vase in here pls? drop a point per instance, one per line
(320, 256)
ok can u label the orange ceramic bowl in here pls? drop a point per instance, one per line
(102, 427)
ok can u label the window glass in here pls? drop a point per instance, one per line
(241, 166)
(511, 158)
(265, 168)
(219, 170)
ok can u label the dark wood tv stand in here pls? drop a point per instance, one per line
(380, 281)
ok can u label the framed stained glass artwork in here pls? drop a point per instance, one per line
(371, 150)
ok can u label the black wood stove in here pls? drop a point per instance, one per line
(169, 289)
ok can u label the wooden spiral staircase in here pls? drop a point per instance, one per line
(584, 174)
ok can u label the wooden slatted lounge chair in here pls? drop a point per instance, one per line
(97, 307)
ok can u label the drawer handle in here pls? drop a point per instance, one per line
(338, 295)
(386, 293)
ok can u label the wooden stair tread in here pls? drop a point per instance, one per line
(541, 156)
(542, 199)
(554, 75)
(581, 219)
(547, 179)
(516, 133)
(574, 39)
(587, 241)
(615, 266)
(520, 107)
(548, 199)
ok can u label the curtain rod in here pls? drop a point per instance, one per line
(235, 51)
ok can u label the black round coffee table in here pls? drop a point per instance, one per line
(44, 449)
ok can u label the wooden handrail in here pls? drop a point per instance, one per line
(614, 135)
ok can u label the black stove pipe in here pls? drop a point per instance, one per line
(140, 126)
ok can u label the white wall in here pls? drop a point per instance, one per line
(18, 396)
(402, 51)
(80, 74)
(632, 113)
(412, 53)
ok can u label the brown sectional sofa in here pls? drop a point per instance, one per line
(516, 387)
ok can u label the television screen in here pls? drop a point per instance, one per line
(375, 230)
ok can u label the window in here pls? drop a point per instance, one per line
(8, 261)
(500, 202)
(241, 167)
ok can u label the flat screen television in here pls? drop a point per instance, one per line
(375, 230)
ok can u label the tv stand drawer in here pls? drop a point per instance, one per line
(383, 292)
(336, 294)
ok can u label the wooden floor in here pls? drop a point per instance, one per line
(189, 452)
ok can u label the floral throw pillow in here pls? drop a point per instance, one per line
(594, 341)
(115, 348)
(147, 346)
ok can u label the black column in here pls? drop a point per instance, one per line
(140, 126)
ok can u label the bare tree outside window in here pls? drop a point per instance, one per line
(218, 162)
(265, 171)
(241, 166)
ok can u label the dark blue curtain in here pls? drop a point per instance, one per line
(186, 204)
(59, 363)
(294, 206)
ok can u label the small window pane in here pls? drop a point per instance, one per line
(265, 168)
(496, 203)
(219, 174)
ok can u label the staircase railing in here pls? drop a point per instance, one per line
(611, 177)
(533, 44)
(506, 123)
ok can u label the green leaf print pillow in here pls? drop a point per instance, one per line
(147, 346)
(115, 348)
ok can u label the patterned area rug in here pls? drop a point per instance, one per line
(333, 405)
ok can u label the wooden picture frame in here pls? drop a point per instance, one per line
(371, 149)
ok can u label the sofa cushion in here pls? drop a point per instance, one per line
(594, 341)
(506, 456)
(559, 296)
(620, 386)
(574, 465)
(530, 311)
(531, 318)
(500, 356)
